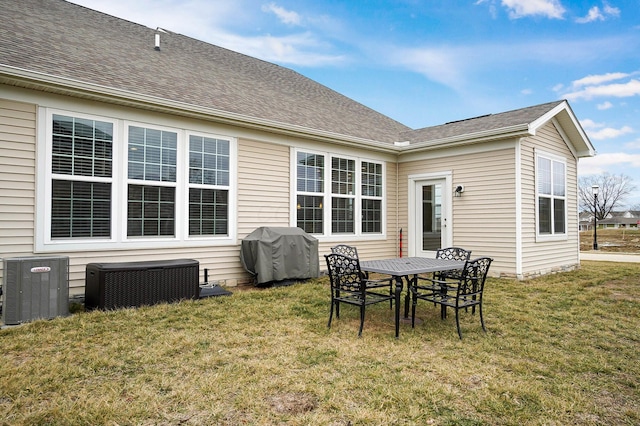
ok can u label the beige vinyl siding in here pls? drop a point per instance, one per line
(17, 178)
(263, 185)
(541, 257)
(484, 216)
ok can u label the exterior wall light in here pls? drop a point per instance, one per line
(459, 190)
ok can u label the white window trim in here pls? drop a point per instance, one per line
(119, 180)
(550, 237)
(327, 234)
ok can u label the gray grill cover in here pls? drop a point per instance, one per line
(276, 254)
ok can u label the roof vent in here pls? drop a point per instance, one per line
(158, 31)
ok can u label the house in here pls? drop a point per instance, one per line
(120, 142)
(615, 219)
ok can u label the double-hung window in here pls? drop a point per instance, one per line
(113, 184)
(551, 186)
(209, 180)
(81, 177)
(338, 195)
(151, 193)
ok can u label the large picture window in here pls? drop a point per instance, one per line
(353, 187)
(551, 177)
(110, 183)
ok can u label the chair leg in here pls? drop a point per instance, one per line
(414, 303)
(481, 317)
(458, 323)
(361, 320)
(330, 315)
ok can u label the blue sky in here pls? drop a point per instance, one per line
(427, 62)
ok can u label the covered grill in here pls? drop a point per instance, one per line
(280, 253)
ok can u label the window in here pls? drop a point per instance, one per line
(153, 162)
(371, 197)
(354, 190)
(136, 187)
(209, 161)
(310, 187)
(81, 172)
(551, 193)
(343, 182)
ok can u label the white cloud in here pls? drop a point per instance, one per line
(610, 10)
(456, 66)
(588, 123)
(297, 49)
(286, 16)
(595, 14)
(526, 91)
(609, 162)
(442, 65)
(604, 106)
(521, 8)
(609, 133)
(598, 79)
(598, 131)
(618, 90)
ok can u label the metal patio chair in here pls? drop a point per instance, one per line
(462, 293)
(349, 286)
(352, 251)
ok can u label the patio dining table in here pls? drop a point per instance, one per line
(402, 268)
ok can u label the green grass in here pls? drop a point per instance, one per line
(561, 349)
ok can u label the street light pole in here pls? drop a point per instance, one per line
(595, 189)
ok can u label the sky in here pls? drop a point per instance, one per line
(428, 62)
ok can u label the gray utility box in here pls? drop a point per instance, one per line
(132, 284)
(35, 288)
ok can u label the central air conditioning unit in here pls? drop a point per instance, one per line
(35, 288)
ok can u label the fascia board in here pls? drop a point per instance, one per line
(55, 84)
(470, 138)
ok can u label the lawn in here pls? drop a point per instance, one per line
(561, 349)
(619, 240)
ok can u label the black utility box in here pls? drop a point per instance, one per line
(130, 284)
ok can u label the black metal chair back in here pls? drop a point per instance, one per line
(349, 286)
(352, 251)
(453, 253)
(346, 250)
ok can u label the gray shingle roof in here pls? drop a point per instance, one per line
(485, 123)
(66, 40)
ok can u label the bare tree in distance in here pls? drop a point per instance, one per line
(611, 195)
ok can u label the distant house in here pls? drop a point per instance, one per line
(119, 142)
(620, 219)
